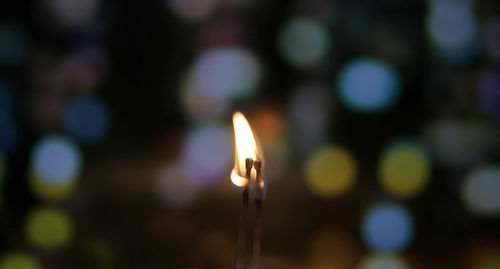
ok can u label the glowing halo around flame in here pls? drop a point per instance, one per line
(245, 147)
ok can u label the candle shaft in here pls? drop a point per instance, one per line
(240, 245)
(258, 212)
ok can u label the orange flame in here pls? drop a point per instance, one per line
(245, 147)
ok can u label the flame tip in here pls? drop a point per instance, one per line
(246, 151)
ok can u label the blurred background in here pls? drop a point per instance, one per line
(379, 121)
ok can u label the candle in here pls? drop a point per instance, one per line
(247, 172)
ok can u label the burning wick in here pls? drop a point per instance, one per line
(247, 158)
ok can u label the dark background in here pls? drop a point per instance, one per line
(140, 54)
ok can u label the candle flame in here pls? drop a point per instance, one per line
(245, 147)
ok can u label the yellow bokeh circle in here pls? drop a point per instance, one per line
(493, 263)
(383, 261)
(330, 172)
(404, 170)
(51, 192)
(18, 260)
(48, 228)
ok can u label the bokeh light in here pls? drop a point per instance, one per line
(368, 85)
(227, 71)
(174, 188)
(55, 166)
(454, 141)
(304, 42)
(330, 171)
(19, 260)
(270, 130)
(489, 263)
(331, 248)
(269, 123)
(87, 118)
(13, 43)
(199, 161)
(452, 29)
(48, 191)
(201, 104)
(480, 191)
(483, 254)
(404, 169)
(56, 159)
(387, 227)
(383, 261)
(488, 92)
(219, 75)
(72, 13)
(192, 10)
(48, 228)
(309, 111)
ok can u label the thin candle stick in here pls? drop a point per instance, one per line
(240, 246)
(258, 212)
